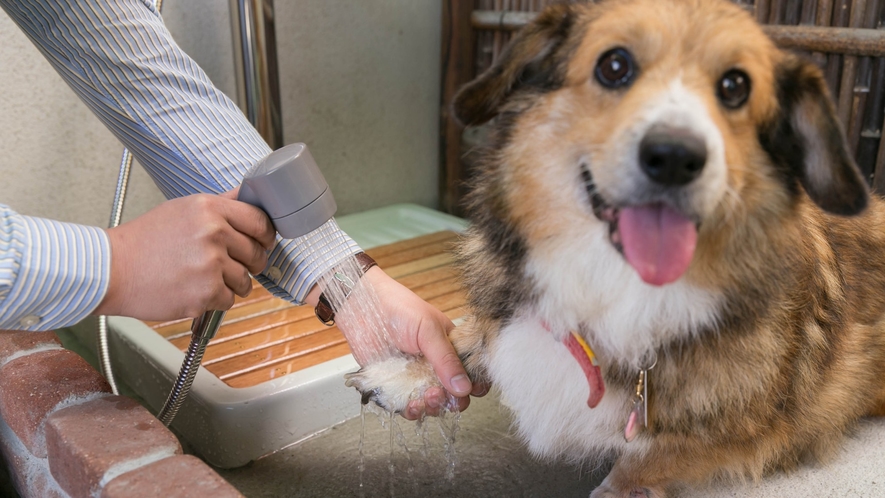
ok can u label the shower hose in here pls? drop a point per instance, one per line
(202, 330)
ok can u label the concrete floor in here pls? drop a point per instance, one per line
(491, 462)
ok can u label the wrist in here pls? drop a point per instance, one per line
(338, 285)
(313, 297)
(111, 302)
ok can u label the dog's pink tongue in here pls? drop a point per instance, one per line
(658, 242)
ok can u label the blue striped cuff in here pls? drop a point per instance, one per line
(54, 274)
(298, 264)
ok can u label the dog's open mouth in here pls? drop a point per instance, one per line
(655, 239)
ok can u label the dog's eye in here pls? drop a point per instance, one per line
(615, 68)
(734, 88)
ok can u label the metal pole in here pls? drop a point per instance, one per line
(255, 60)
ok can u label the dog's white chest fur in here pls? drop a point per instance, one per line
(546, 389)
(598, 293)
(585, 285)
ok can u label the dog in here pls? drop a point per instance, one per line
(673, 260)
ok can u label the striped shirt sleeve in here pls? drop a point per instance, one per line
(120, 59)
(47, 271)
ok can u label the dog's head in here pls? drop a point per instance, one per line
(659, 117)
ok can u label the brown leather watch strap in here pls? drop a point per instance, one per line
(323, 308)
(324, 311)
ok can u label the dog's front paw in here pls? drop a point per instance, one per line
(392, 383)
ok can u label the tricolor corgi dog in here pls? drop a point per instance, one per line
(673, 260)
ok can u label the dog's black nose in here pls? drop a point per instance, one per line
(672, 156)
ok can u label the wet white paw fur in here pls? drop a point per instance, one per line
(392, 383)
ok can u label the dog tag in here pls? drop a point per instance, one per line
(638, 418)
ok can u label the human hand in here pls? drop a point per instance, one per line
(186, 256)
(416, 327)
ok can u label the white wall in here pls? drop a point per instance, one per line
(360, 83)
(56, 159)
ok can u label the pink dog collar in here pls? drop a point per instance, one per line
(579, 348)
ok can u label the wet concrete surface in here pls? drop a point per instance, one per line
(490, 462)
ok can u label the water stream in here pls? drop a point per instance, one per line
(434, 461)
(358, 310)
(371, 337)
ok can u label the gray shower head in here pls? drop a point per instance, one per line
(288, 186)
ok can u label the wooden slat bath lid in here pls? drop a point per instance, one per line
(263, 337)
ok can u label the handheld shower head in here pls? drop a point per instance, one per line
(288, 186)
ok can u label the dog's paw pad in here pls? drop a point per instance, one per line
(392, 383)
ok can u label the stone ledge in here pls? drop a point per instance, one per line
(93, 443)
(14, 342)
(32, 386)
(184, 476)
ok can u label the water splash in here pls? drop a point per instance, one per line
(362, 465)
(414, 456)
(358, 309)
(371, 337)
(421, 432)
(448, 430)
(399, 441)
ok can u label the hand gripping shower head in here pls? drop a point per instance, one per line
(288, 186)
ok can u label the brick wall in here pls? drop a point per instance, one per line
(63, 434)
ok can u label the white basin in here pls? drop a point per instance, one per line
(229, 427)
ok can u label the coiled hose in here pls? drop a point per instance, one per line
(104, 354)
(202, 331)
(205, 327)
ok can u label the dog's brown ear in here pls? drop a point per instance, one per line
(808, 142)
(526, 61)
